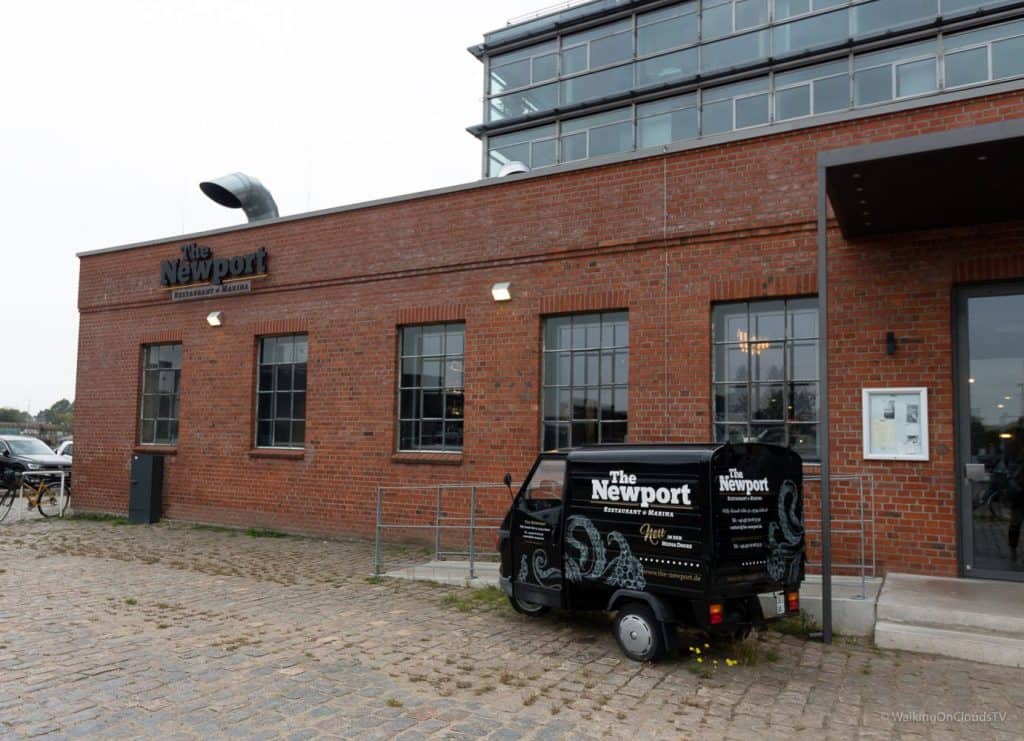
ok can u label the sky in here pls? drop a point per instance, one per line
(115, 110)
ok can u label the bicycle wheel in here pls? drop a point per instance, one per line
(6, 500)
(49, 500)
(999, 507)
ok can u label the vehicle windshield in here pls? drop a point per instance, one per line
(29, 446)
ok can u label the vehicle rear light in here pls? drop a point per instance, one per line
(715, 613)
(792, 601)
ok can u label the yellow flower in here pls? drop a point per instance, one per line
(700, 661)
(697, 651)
(707, 646)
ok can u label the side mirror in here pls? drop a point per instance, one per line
(508, 483)
(7, 453)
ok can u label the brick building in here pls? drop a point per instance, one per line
(664, 286)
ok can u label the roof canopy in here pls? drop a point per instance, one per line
(956, 178)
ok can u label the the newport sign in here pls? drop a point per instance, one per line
(198, 274)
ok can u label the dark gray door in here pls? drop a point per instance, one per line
(990, 429)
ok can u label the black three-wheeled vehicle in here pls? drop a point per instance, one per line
(662, 535)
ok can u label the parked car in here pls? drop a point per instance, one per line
(20, 453)
(662, 535)
(65, 448)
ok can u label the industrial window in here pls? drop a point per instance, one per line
(765, 373)
(161, 388)
(986, 54)
(597, 47)
(723, 17)
(536, 147)
(431, 397)
(524, 67)
(736, 106)
(585, 379)
(812, 90)
(602, 133)
(895, 73)
(665, 121)
(281, 392)
(666, 28)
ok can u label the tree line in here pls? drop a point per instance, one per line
(61, 413)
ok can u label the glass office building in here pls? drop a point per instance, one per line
(607, 78)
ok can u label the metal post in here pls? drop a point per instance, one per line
(863, 545)
(472, 534)
(376, 545)
(437, 525)
(874, 532)
(823, 426)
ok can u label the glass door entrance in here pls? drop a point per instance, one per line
(991, 429)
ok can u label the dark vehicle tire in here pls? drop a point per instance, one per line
(49, 501)
(530, 609)
(639, 632)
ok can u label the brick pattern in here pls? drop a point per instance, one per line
(663, 237)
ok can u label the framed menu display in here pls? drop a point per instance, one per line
(896, 424)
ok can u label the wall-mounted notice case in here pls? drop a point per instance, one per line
(896, 424)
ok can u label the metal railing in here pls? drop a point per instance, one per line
(452, 511)
(862, 524)
(545, 11)
(20, 506)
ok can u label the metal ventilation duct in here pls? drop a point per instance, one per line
(239, 190)
(513, 168)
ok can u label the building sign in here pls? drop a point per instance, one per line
(198, 265)
(194, 293)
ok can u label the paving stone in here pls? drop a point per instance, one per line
(179, 632)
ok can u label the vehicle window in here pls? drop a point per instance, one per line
(68, 451)
(545, 487)
(30, 447)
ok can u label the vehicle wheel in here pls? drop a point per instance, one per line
(638, 632)
(6, 500)
(49, 500)
(530, 609)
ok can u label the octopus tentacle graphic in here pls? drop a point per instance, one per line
(786, 537)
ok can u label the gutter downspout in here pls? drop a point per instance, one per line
(823, 421)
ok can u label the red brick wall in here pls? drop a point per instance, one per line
(663, 237)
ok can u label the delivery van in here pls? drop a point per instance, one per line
(661, 535)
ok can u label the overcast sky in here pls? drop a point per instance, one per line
(115, 110)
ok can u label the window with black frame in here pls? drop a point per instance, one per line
(161, 388)
(431, 398)
(281, 392)
(585, 379)
(765, 373)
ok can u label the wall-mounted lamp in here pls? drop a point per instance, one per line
(890, 343)
(501, 292)
(215, 318)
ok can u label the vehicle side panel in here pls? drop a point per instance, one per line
(637, 526)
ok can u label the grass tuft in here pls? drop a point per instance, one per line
(393, 702)
(800, 626)
(98, 517)
(466, 601)
(256, 532)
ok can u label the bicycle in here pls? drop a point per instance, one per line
(43, 495)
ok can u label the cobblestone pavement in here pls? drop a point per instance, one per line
(180, 632)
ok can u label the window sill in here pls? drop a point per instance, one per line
(295, 454)
(156, 449)
(440, 459)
